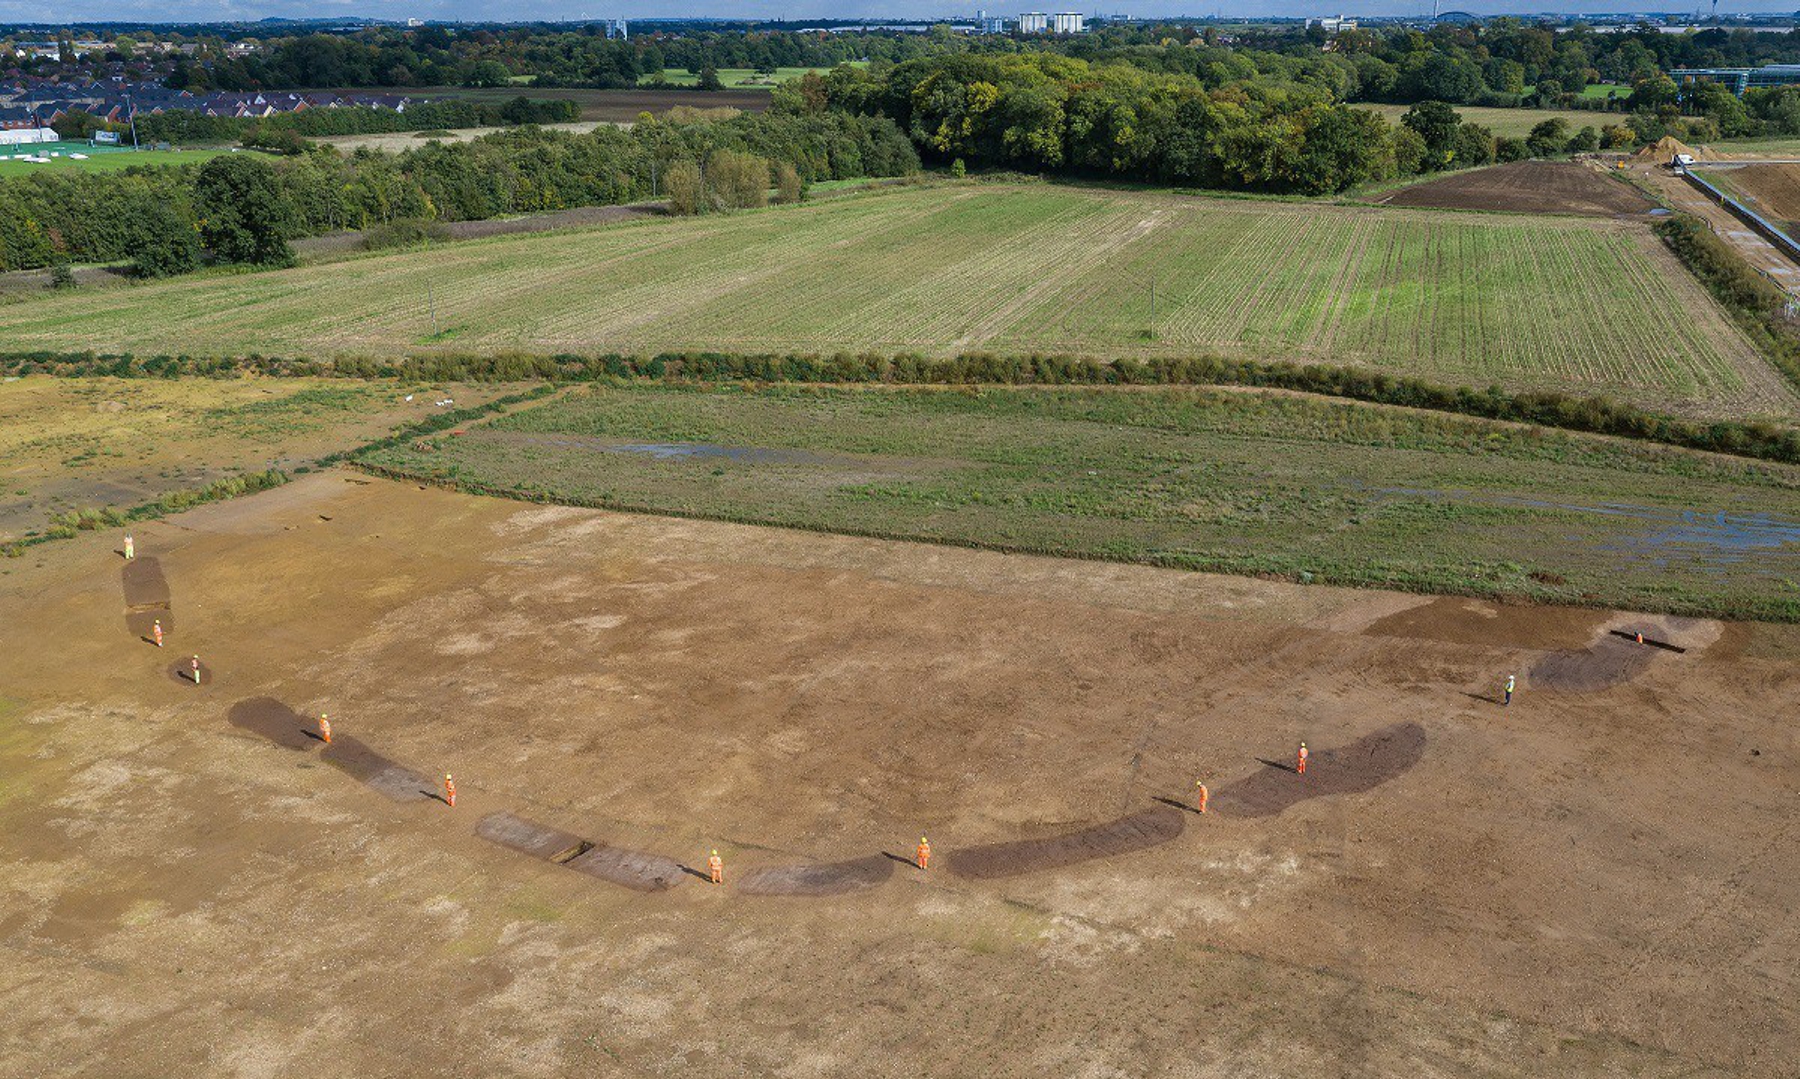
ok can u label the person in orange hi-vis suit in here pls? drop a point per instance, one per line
(1200, 796)
(324, 728)
(1300, 760)
(924, 853)
(156, 631)
(716, 866)
(449, 791)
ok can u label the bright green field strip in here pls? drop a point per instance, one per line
(736, 77)
(1462, 298)
(113, 160)
(1515, 123)
(1200, 479)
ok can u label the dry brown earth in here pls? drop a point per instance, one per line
(1596, 881)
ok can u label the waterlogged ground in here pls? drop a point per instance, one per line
(1195, 478)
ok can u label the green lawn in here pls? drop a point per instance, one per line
(736, 77)
(103, 159)
(1514, 123)
(1200, 479)
(1478, 299)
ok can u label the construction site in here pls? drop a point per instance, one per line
(1527, 841)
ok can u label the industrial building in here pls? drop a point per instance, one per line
(1739, 78)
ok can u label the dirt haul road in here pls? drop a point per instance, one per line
(1598, 880)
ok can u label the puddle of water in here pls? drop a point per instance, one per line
(1721, 537)
(677, 451)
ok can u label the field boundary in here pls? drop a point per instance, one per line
(69, 525)
(1599, 415)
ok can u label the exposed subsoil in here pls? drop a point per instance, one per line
(273, 721)
(1771, 190)
(1612, 659)
(832, 878)
(1532, 187)
(1355, 768)
(641, 871)
(1136, 832)
(1503, 906)
(147, 599)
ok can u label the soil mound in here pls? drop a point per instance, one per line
(1665, 148)
(1362, 765)
(832, 878)
(1533, 187)
(1139, 831)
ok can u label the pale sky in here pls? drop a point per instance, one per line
(74, 11)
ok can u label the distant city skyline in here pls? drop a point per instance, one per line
(167, 11)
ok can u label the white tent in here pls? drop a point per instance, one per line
(15, 136)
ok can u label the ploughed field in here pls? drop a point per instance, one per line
(1536, 187)
(1239, 482)
(1543, 303)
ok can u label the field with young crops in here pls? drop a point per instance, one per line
(1200, 479)
(1517, 123)
(1478, 299)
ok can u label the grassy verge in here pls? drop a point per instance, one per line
(71, 523)
(1755, 303)
(68, 525)
(1245, 483)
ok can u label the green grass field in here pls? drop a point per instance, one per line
(100, 158)
(1479, 299)
(735, 77)
(1514, 123)
(1199, 479)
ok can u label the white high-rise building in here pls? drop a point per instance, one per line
(1068, 22)
(1033, 22)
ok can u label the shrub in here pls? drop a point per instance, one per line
(788, 186)
(405, 232)
(737, 181)
(685, 188)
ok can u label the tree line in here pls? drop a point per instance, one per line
(245, 207)
(1260, 131)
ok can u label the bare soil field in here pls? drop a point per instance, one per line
(1598, 880)
(1530, 187)
(1771, 190)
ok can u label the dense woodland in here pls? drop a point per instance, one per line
(244, 208)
